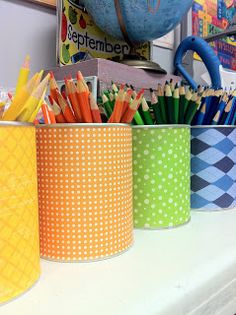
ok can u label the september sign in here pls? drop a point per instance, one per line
(80, 39)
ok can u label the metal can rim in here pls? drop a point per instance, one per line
(81, 125)
(5, 123)
(171, 126)
(212, 126)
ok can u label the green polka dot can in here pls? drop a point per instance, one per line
(161, 176)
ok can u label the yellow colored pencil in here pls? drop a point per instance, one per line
(33, 101)
(19, 100)
(2, 108)
(23, 75)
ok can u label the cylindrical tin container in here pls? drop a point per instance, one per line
(19, 231)
(85, 190)
(161, 175)
(213, 170)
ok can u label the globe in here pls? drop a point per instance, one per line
(144, 19)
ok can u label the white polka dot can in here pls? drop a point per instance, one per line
(161, 176)
(85, 190)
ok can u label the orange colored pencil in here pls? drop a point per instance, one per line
(133, 107)
(72, 95)
(118, 108)
(81, 78)
(83, 97)
(67, 113)
(53, 87)
(51, 114)
(46, 115)
(57, 111)
(95, 109)
(127, 101)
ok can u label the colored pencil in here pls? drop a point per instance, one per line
(107, 105)
(72, 95)
(23, 75)
(33, 101)
(156, 108)
(161, 102)
(57, 111)
(19, 100)
(67, 113)
(169, 103)
(146, 113)
(191, 109)
(176, 104)
(181, 103)
(83, 97)
(118, 108)
(201, 115)
(94, 109)
(130, 112)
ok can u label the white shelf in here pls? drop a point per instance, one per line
(187, 270)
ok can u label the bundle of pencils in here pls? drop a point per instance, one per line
(77, 103)
(171, 105)
(28, 97)
(217, 107)
(121, 104)
(177, 104)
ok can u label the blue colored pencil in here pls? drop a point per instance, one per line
(201, 115)
(226, 112)
(212, 105)
(234, 119)
(230, 115)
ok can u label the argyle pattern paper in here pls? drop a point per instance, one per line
(213, 169)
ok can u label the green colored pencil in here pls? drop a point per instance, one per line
(162, 104)
(181, 103)
(188, 97)
(176, 104)
(138, 119)
(112, 99)
(114, 87)
(172, 85)
(107, 105)
(156, 108)
(169, 102)
(192, 108)
(145, 112)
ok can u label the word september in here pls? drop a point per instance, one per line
(83, 40)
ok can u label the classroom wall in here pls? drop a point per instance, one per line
(25, 28)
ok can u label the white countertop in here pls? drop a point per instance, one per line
(190, 270)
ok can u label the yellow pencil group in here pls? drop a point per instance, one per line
(28, 97)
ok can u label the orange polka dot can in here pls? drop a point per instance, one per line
(85, 190)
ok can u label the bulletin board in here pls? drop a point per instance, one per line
(211, 17)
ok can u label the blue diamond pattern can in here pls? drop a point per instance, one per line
(213, 169)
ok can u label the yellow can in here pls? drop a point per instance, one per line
(19, 232)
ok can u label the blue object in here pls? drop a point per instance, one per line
(79, 56)
(144, 19)
(213, 170)
(207, 55)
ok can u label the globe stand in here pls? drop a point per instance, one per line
(134, 59)
(141, 63)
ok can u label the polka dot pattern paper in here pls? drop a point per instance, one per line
(85, 191)
(161, 176)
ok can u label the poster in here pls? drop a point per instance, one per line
(166, 41)
(211, 17)
(80, 39)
